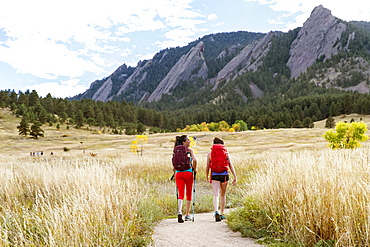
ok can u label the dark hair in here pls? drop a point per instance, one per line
(217, 140)
(180, 140)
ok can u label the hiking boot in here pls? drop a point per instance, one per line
(179, 218)
(187, 218)
(222, 217)
(217, 216)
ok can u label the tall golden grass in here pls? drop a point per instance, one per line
(316, 196)
(299, 189)
(112, 200)
(72, 202)
(309, 195)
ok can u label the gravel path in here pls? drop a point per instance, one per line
(204, 231)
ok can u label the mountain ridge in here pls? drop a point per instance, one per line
(174, 74)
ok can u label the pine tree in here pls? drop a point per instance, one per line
(43, 116)
(48, 103)
(140, 128)
(308, 123)
(79, 119)
(100, 119)
(33, 98)
(22, 110)
(330, 122)
(280, 125)
(61, 109)
(297, 124)
(36, 130)
(130, 129)
(24, 127)
(22, 99)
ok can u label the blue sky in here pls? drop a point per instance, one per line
(60, 47)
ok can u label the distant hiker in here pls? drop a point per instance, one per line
(219, 163)
(184, 164)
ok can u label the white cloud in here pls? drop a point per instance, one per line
(301, 9)
(45, 59)
(68, 88)
(124, 39)
(176, 8)
(183, 22)
(275, 21)
(126, 52)
(176, 37)
(48, 39)
(140, 22)
(145, 57)
(212, 17)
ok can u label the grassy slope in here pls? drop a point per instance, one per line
(79, 141)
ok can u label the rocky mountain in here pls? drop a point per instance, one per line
(221, 65)
(317, 38)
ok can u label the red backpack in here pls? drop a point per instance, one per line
(181, 158)
(219, 162)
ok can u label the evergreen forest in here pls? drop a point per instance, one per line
(302, 105)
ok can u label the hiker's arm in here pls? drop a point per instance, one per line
(232, 169)
(194, 160)
(207, 167)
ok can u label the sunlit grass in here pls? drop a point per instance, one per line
(89, 201)
(290, 187)
(305, 196)
(74, 202)
(310, 197)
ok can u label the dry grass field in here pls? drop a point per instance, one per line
(80, 141)
(309, 192)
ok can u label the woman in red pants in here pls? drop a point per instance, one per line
(184, 179)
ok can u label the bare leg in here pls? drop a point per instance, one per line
(216, 192)
(223, 197)
(187, 210)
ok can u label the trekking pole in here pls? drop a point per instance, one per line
(195, 174)
(177, 192)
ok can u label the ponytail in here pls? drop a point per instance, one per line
(180, 140)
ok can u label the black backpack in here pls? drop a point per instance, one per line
(181, 158)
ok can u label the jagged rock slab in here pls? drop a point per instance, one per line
(103, 92)
(250, 58)
(137, 77)
(184, 70)
(317, 38)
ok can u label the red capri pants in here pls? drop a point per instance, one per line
(184, 180)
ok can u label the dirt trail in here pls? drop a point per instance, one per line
(204, 231)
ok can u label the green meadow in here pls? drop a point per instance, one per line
(292, 190)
